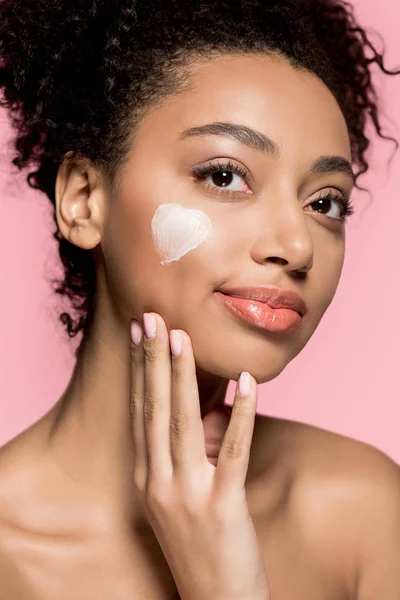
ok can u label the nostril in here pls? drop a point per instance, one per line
(301, 274)
(278, 260)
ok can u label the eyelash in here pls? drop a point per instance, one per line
(205, 170)
(345, 203)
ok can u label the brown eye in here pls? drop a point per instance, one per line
(329, 207)
(222, 178)
(226, 178)
(332, 205)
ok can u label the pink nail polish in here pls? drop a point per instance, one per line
(150, 325)
(175, 342)
(244, 383)
(136, 333)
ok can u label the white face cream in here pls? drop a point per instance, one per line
(176, 230)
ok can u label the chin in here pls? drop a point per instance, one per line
(263, 363)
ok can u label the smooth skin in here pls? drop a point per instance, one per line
(325, 509)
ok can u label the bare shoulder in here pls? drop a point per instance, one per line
(317, 455)
(13, 585)
(345, 499)
(17, 459)
(21, 466)
(12, 466)
(327, 466)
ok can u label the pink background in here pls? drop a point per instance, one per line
(346, 379)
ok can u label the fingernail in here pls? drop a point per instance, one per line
(244, 383)
(136, 333)
(150, 325)
(176, 342)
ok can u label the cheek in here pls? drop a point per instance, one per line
(154, 254)
(130, 260)
(337, 259)
(327, 269)
(177, 230)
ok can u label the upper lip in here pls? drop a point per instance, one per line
(274, 297)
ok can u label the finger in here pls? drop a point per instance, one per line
(233, 459)
(157, 396)
(136, 405)
(186, 427)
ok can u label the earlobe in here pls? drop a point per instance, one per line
(79, 202)
(83, 234)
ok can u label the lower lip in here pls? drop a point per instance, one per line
(259, 314)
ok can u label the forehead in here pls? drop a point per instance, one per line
(292, 107)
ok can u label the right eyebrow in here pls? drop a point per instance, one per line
(256, 140)
(245, 135)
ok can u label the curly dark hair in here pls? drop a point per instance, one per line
(77, 76)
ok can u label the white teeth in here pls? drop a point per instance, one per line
(176, 230)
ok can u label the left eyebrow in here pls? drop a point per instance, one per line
(333, 164)
(259, 141)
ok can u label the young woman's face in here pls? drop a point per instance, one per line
(260, 223)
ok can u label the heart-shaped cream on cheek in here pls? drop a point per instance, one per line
(176, 230)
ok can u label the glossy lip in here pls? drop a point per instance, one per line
(274, 297)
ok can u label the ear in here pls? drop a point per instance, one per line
(80, 201)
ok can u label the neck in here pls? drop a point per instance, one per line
(90, 428)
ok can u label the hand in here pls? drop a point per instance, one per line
(198, 511)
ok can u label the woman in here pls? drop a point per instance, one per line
(199, 159)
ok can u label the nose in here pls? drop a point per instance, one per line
(284, 238)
